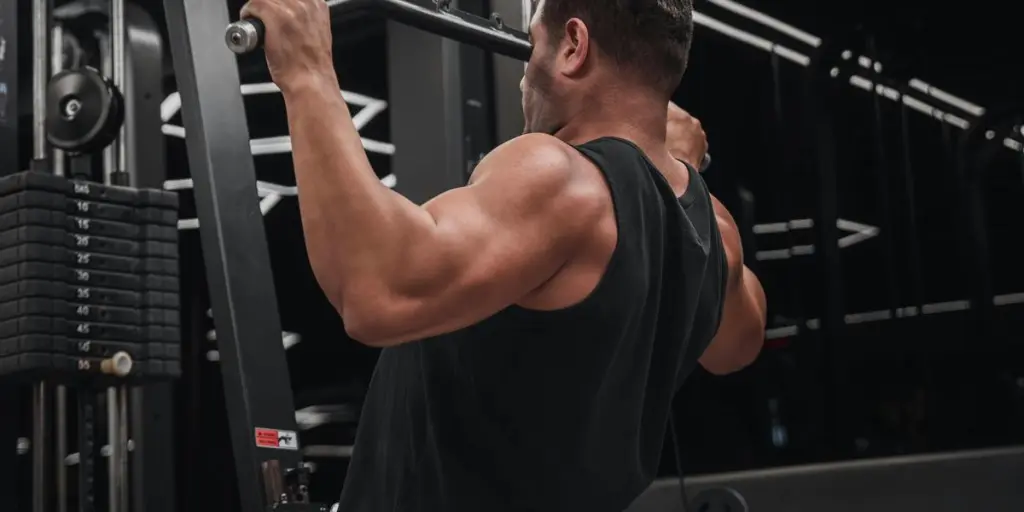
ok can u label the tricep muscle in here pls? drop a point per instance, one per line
(741, 333)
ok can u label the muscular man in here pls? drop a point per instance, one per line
(537, 322)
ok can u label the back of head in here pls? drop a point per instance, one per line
(649, 38)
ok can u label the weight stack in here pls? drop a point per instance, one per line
(89, 290)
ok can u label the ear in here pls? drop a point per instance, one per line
(575, 48)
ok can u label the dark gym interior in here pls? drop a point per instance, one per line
(872, 152)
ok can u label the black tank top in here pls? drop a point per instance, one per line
(560, 411)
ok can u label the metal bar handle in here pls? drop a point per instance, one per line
(437, 17)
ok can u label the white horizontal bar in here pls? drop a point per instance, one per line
(815, 41)
(939, 94)
(172, 103)
(904, 312)
(768, 21)
(751, 39)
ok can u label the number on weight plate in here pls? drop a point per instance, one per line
(83, 328)
(84, 346)
(83, 364)
(83, 206)
(82, 275)
(83, 224)
(83, 257)
(83, 293)
(81, 188)
(82, 311)
(82, 240)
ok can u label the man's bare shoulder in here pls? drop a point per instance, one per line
(542, 156)
(547, 170)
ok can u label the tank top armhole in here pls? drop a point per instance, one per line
(613, 262)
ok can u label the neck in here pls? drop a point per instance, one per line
(636, 117)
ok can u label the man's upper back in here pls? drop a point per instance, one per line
(553, 410)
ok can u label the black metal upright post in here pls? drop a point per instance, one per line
(9, 135)
(883, 176)
(973, 152)
(507, 74)
(441, 107)
(478, 124)
(820, 148)
(508, 99)
(256, 384)
(426, 108)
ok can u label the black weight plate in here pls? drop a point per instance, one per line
(84, 110)
(30, 180)
(164, 199)
(84, 260)
(719, 499)
(99, 331)
(119, 213)
(59, 308)
(144, 369)
(88, 209)
(63, 256)
(121, 247)
(122, 230)
(100, 279)
(84, 242)
(43, 217)
(88, 331)
(57, 344)
(89, 313)
(150, 317)
(30, 288)
(158, 316)
(138, 351)
(40, 343)
(33, 199)
(164, 351)
(97, 210)
(84, 370)
(78, 277)
(84, 225)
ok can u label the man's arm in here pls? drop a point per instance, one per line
(398, 272)
(741, 333)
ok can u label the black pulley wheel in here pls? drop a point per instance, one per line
(84, 111)
(719, 499)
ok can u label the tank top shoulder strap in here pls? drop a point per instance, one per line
(613, 153)
(618, 160)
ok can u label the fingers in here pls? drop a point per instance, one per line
(677, 114)
(252, 9)
(300, 11)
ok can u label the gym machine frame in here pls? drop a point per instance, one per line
(130, 57)
(256, 384)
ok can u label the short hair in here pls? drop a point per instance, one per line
(651, 37)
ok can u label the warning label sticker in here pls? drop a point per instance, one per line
(277, 439)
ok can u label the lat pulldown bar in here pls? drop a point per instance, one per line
(437, 17)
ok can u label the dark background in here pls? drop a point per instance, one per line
(930, 383)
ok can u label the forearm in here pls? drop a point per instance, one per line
(357, 231)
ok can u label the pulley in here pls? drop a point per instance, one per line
(84, 111)
(719, 499)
